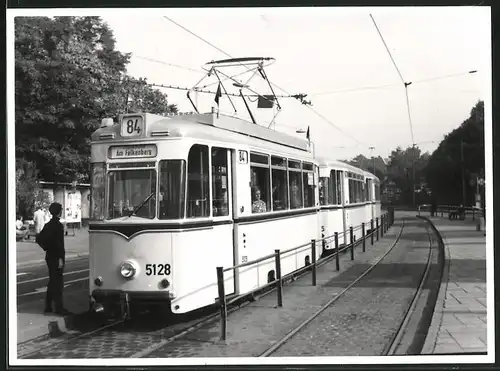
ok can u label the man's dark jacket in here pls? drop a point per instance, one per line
(51, 239)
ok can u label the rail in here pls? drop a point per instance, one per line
(378, 228)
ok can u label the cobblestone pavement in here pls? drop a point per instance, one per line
(461, 313)
(120, 341)
(253, 329)
(364, 321)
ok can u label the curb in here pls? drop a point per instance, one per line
(437, 317)
(69, 257)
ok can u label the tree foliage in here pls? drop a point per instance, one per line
(69, 76)
(460, 154)
(406, 171)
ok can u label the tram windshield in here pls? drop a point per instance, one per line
(128, 189)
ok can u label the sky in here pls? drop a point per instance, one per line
(334, 55)
(321, 50)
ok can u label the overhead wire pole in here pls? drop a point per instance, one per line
(406, 84)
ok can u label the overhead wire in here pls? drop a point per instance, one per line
(376, 87)
(400, 75)
(283, 90)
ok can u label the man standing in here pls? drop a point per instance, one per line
(51, 238)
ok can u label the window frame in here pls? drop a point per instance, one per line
(209, 201)
(295, 170)
(228, 185)
(269, 176)
(184, 164)
(281, 167)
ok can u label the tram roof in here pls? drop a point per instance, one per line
(207, 126)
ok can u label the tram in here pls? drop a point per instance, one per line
(174, 197)
(373, 197)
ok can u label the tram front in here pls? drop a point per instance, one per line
(137, 184)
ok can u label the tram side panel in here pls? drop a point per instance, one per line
(355, 215)
(257, 239)
(331, 221)
(197, 254)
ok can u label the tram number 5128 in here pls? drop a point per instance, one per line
(157, 269)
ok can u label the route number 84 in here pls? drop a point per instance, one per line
(157, 269)
(133, 125)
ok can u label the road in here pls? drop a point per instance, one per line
(32, 281)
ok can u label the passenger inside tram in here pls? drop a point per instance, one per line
(258, 206)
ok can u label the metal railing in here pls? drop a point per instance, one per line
(381, 225)
(453, 209)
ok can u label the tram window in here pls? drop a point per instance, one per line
(324, 190)
(295, 183)
(128, 189)
(198, 196)
(260, 189)
(307, 166)
(220, 204)
(357, 192)
(172, 189)
(294, 164)
(332, 196)
(97, 201)
(340, 177)
(351, 190)
(308, 181)
(259, 159)
(280, 189)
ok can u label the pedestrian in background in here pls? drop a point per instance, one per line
(51, 239)
(41, 217)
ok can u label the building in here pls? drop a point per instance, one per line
(74, 198)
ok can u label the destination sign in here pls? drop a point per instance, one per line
(145, 150)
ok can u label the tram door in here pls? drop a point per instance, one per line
(222, 209)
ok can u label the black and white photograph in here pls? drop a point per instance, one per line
(245, 186)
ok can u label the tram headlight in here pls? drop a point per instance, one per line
(127, 270)
(164, 283)
(98, 281)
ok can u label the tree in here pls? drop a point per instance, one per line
(68, 77)
(458, 159)
(405, 169)
(142, 97)
(26, 184)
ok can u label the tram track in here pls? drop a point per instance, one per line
(391, 347)
(90, 344)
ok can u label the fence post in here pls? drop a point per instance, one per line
(277, 260)
(377, 228)
(222, 303)
(364, 236)
(382, 225)
(352, 242)
(337, 262)
(473, 213)
(313, 250)
(372, 230)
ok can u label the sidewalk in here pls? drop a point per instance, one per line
(29, 253)
(459, 321)
(33, 326)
